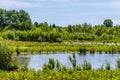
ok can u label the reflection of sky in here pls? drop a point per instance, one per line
(97, 60)
(37, 61)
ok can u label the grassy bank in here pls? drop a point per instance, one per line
(60, 47)
(19, 46)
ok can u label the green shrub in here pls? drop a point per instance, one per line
(24, 67)
(6, 58)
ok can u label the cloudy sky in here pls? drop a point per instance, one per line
(64, 12)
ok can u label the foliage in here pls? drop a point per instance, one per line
(45, 47)
(108, 23)
(51, 65)
(24, 67)
(86, 65)
(6, 61)
(73, 60)
(19, 20)
(107, 67)
(17, 25)
(118, 63)
(58, 75)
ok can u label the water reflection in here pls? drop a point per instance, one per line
(105, 43)
(23, 59)
(37, 61)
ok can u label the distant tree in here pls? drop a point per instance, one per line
(2, 18)
(53, 25)
(99, 30)
(70, 28)
(46, 24)
(36, 24)
(108, 23)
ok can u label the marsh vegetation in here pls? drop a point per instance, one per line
(20, 36)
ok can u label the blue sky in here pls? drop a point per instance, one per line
(64, 12)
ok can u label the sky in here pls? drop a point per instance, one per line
(65, 12)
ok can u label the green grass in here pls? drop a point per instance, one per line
(32, 47)
(59, 75)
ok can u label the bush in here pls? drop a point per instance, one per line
(6, 60)
(24, 67)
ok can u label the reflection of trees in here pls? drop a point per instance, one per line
(22, 60)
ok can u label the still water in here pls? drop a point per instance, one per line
(36, 61)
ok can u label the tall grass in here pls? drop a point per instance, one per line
(118, 63)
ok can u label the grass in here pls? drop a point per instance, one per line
(59, 75)
(41, 47)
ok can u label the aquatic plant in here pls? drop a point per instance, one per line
(118, 63)
(107, 67)
(86, 65)
(73, 60)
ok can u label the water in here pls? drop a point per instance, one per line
(102, 43)
(97, 60)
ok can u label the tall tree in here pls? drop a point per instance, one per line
(108, 23)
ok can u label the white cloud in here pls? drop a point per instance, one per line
(116, 21)
(115, 4)
(60, 0)
(14, 4)
(52, 0)
(40, 0)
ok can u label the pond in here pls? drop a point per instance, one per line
(37, 61)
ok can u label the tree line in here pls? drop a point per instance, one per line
(12, 19)
(17, 25)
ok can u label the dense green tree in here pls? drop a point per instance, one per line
(53, 25)
(3, 21)
(108, 23)
(13, 19)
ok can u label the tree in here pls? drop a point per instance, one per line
(108, 23)
(70, 28)
(36, 24)
(2, 18)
